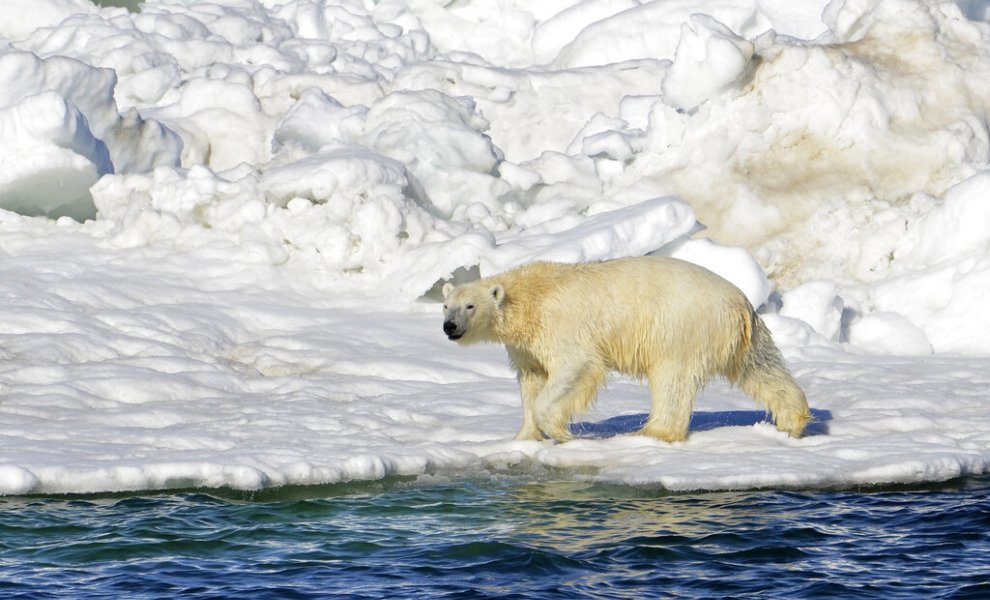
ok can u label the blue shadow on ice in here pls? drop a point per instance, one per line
(700, 421)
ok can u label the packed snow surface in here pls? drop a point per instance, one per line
(223, 225)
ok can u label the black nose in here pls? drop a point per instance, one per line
(449, 327)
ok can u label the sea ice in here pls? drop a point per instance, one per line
(223, 222)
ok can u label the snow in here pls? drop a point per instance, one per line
(709, 57)
(223, 225)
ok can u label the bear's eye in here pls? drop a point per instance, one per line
(445, 307)
(469, 307)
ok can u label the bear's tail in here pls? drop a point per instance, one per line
(764, 377)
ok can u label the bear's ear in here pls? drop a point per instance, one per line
(498, 293)
(447, 289)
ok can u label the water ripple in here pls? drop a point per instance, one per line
(522, 539)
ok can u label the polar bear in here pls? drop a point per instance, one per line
(566, 326)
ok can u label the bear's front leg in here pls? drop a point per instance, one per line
(530, 385)
(568, 390)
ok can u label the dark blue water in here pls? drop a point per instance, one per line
(508, 538)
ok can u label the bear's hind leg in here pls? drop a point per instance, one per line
(765, 378)
(673, 396)
(778, 391)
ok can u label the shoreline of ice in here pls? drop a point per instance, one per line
(141, 369)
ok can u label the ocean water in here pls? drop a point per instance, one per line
(511, 537)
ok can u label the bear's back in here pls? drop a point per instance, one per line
(620, 307)
(618, 280)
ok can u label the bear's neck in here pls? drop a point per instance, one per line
(528, 290)
(518, 323)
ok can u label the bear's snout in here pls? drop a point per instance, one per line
(450, 328)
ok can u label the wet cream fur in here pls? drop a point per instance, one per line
(566, 326)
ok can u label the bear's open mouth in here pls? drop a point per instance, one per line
(454, 336)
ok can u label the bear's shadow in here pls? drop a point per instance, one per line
(700, 421)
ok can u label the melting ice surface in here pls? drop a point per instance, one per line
(219, 218)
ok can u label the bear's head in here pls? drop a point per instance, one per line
(470, 309)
